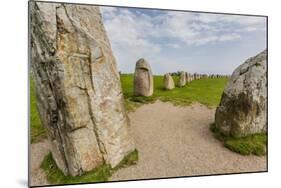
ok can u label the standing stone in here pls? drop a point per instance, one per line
(195, 76)
(168, 82)
(79, 95)
(143, 79)
(243, 107)
(187, 78)
(182, 80)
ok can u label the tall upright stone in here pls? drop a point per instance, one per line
(79, 94)
(182, 80)
(187, 79)
(191, 77)
(143, 79)
(195, 76)
(168, 82)
(243, 107)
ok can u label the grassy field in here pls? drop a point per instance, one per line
(206, 91)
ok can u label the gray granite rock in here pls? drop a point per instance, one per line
(243, 107)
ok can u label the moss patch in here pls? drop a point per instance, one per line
(255, 144)
(99, 174)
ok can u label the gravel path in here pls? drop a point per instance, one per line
(176, 141)
(38, 152)
(172, 141)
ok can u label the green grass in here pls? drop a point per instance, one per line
(37, 130)
(206, 91)
(130, 159)
(99, 174)
(255, 144)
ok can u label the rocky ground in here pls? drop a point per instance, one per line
(172, 141)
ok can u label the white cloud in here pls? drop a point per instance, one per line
(136, 33)
(125, 29)
(138, 28)
(229, 37)
(173, 45)
(109, 12)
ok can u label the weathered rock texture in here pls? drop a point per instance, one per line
(182, 80)
(79, 95)
(243, 107)
(143, 79)
(168, 82)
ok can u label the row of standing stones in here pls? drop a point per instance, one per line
(243, 107)
(143, 79)
(79, 95)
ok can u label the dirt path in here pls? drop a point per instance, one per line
(38, 152)
(176, 141)
(172, 141)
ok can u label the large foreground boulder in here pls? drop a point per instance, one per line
(79, 95)
(143, 79)
(168, 82)
(243, 107)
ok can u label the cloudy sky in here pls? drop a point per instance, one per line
(172, 40)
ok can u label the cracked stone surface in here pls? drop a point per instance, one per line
(79, 94)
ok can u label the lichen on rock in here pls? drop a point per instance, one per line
(243, 107)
